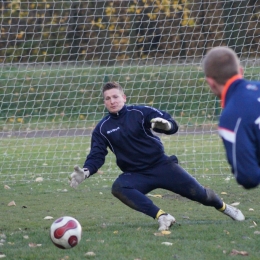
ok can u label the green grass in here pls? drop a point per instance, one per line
(110, 229)
(53, 158)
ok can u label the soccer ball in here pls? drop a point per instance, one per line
(65, 232)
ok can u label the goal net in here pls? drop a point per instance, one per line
(56, 55)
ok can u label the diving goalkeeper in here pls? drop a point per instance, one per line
(126, 131)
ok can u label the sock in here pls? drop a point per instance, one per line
(159, 213)
(223, 207)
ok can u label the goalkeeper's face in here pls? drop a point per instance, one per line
(114, 100)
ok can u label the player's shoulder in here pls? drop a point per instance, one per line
(244, 102)
(250, 88)
(102, 121)
(244, 93)
(144, 109)
(135, 108)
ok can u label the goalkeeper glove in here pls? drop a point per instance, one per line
(78, 176)
(161, 123)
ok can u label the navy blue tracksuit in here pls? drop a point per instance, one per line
(239, 127)
(140, 156)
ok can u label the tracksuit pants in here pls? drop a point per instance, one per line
(131, 188)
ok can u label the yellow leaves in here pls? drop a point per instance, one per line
(20, 35)
(20, 120)
(34, 245)
(166, 232)
(110, 10)
(48, 217)
(45, 34)
(188, 22)
(166, 2)
(226, 232)
(141, 39)
(167, 243)
(177, 6)
(152, 16)
(162, 233)
(66, 257)
(154, 195)
(99, 23)
(111, 27)
(236, 252)
(12, 203)
(131, 9)
(39, 179)
(14, 119)
(235, 204)
(90, 253)
(138, 11)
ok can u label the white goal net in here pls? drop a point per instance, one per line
(56, 55)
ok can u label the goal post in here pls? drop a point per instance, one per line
(56, 55)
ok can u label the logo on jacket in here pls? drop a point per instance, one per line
(113, 130)
(252, 87)
(257, 122)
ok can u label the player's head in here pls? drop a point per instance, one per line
(219, 65)
(114, 97)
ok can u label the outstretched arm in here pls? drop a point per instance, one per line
(160, 121)
(162, 124)
(78, 176)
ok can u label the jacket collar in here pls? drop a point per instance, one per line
(119, 113)
(226, 88)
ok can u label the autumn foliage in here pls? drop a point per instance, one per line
(110, 31)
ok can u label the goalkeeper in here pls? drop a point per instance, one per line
(140, 155)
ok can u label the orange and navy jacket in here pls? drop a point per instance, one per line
(128, 135)
(239, 127)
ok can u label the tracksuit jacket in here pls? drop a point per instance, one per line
(239, 127)
(128, 135)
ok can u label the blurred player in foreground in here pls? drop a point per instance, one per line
(239, 124)
(140, 155)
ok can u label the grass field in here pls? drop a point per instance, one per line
(110, 229)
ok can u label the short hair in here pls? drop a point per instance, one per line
(221, 63)
(111, 85)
